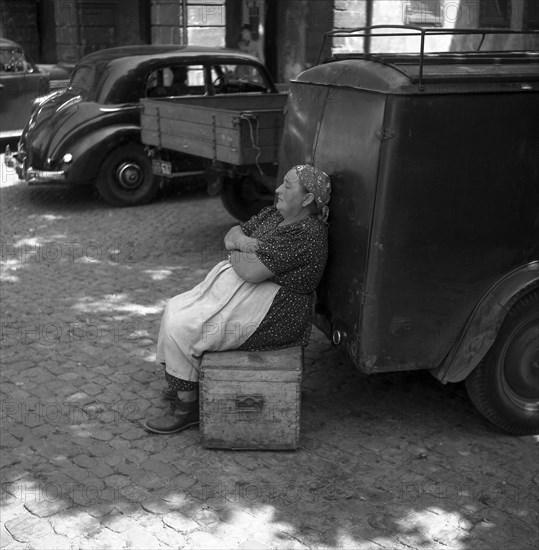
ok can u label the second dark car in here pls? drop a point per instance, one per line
(90, 132)
(21, 82)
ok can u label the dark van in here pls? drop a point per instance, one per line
(434, 225)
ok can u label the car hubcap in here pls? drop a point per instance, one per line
(522, 362)
(129, 175)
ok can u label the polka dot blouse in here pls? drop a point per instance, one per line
(297, 255)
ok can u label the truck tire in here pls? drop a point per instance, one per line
(241, 200)
(505, 386)
(126, 177)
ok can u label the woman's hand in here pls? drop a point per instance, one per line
(236, 239)
(243, 257)
(249, 245)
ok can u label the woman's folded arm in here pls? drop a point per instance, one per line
(236, 239)
(249, 267)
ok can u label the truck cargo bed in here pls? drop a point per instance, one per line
(239, 130)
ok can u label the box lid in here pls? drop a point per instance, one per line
(278, 360)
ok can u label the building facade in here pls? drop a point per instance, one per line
(290, 31)
(66, 30)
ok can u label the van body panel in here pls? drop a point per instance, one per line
(450, 220)
(335, 144)
(304, 112)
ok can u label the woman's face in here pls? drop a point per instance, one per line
(290, 195)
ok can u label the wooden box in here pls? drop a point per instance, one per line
(251, 400)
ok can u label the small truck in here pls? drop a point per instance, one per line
(90, 132)
(235, 138)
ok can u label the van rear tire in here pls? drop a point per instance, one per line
(505, 385)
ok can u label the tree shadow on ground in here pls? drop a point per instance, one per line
(389, 460)
(395, 461)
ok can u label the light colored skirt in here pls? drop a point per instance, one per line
(218, 314)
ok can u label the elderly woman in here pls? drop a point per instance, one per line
(259, 299)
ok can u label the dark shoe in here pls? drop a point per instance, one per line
(182, 415)
(169, 393)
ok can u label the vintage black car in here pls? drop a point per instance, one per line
(21, 82)
(90, 133)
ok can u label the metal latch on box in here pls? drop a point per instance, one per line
(249, 403)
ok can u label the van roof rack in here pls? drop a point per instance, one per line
(421, 58)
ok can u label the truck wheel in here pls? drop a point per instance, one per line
(126, 177)
(505, 386)
(242, 199)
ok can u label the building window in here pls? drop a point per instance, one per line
(531, 16)
(424, 13)
(495, 13)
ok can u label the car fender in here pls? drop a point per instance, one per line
(485, 322)
(90, 151)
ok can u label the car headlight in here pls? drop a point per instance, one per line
(67, 158)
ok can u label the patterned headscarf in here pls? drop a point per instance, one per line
(317, 183)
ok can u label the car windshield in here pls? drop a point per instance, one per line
(238, 77)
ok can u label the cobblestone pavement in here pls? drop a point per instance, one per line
(390, 461)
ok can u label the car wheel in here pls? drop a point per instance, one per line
(243, 198)
(505, 386)
(126, 177)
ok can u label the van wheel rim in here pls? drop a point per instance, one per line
(129, 175)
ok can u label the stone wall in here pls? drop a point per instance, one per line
(18, 22)
(85, 26)
(300, 29)
(67, 31)
(166, 22)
